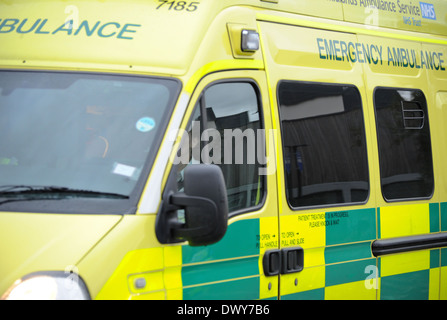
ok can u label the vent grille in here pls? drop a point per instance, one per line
(413, 115)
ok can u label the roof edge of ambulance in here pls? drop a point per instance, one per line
(161, 37)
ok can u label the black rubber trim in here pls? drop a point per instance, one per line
(406, 244)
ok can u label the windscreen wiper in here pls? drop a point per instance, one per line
(11, 193)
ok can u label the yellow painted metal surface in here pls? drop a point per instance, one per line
(194, 41)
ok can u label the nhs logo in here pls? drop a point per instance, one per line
(428, 10)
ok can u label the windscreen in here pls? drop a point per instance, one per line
(78, 137)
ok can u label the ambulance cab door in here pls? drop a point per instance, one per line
(227, 124)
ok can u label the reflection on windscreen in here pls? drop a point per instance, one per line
(79, 131)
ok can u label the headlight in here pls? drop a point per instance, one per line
(48, 286)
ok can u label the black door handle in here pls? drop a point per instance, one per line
(285, 261)
(272, 263)
(292, 260)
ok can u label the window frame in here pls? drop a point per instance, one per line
(365, 140)
(376, 123)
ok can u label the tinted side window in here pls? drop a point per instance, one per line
(324, 144)
(225, 130)
(403, 133)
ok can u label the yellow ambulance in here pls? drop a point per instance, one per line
(237, 149)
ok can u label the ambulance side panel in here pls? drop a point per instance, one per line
(399, 84)
(438, 84)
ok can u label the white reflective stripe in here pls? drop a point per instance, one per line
(151, 196)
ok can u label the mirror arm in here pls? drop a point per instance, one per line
(181, 201)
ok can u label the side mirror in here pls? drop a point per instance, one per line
(205, 206)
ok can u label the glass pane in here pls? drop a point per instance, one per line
(324, 144)
(79, 131)
(403, 134)
(226, 124)
(232, 110)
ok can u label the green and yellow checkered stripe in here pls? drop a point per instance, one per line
(412, 275)
(338, 261)
(338, 257)
(226, 270)
(443, 259)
